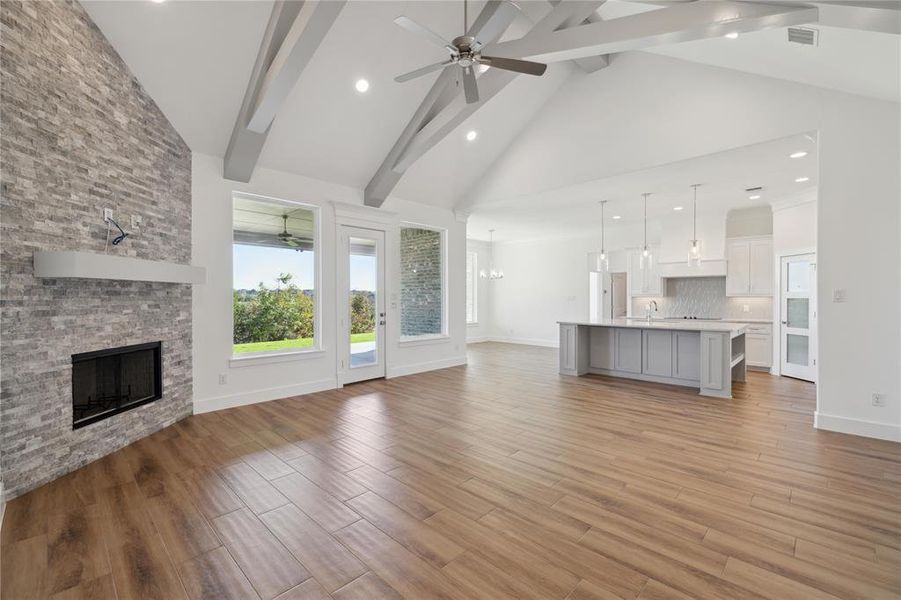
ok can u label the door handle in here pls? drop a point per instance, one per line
(381, 322)
(785, 322)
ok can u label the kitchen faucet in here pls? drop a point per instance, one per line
(648, 308)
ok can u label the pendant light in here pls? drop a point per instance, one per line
(598, 262)
(646, 259)
(694, 245)
(491, 273)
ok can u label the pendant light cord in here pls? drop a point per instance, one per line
(645, 195)
(694, 231)
(603, 202)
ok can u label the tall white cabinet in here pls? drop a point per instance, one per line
(749, 269)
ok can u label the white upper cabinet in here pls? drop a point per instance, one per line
(749, 269)
(762, 267)
(647, 281)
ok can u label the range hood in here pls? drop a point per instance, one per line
(680, 269)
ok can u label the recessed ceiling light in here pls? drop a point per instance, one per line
(158, 1)
(754, 197)
(617, 217)
(677, 208)
(471, 135)
(802, 179)
(362, 85)
(732, 35)
(799, 154)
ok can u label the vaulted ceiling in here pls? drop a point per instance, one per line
(195, 59)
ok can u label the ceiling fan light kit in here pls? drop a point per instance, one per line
(465, 53)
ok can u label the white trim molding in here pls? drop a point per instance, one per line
(367, 217)
(254, 360)
(265, 395)
(422, 367)
(871, 429)
(524, 341)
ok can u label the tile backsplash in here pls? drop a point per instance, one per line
(704, 297)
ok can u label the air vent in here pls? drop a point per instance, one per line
(754, 189)
(803, 35)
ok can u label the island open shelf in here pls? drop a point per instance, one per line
(708, 355)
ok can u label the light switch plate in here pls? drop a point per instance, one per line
(838, 295)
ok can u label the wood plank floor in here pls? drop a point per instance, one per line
(496, 480)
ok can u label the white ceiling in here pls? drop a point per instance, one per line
(724, 177)
(195, 57)
(847, 60)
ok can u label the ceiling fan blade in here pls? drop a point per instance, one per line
(497, 24)
(470, 88)
(514, 64)
(422, 71)
(423, 31)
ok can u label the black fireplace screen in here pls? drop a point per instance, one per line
(111, 381)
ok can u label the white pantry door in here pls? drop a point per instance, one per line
(798, 316)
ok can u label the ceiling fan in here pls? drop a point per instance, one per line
(286, 237)
(465, 52)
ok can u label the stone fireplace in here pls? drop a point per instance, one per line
(80, 135)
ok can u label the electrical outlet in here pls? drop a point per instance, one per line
(838, 295)
(878, 399)
(107, 214)
(135, 221)
(745, 308)
(223, 379)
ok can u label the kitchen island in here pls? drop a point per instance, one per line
(708, 355)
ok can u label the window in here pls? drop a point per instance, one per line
(274, 279)
(472, 288)
(421, 282)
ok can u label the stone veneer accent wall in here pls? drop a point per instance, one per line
(79, 133)
(420, 285)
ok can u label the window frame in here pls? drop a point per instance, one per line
(472, 279)
(424, 337)
(265, 356)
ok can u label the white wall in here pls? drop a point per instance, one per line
(212, 331)
(795, 226)
(481, 331)
(645, 110)
(546, 281)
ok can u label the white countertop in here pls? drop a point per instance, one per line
(678, 325)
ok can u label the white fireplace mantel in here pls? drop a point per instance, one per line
(88, 265)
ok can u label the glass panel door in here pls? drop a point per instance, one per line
(798, 316)
(363, 321)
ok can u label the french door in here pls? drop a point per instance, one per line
(361, 320)
(798, 316)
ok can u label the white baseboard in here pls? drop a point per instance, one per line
(525, 341)
(871, 429)
(422, 367)
(478, 339)
(264, 395)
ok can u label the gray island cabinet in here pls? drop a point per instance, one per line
(708, 355)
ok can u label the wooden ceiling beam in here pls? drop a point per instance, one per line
(292, 36)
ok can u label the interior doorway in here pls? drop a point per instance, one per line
(798, 316)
